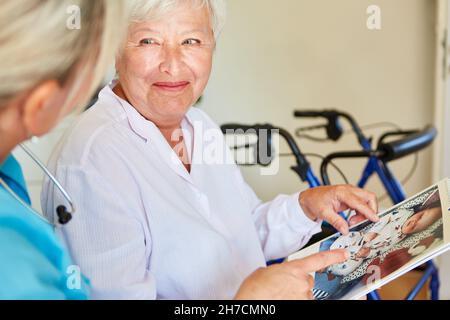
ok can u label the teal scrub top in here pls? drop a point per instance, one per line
(33, 262)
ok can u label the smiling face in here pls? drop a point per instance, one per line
(422, 220)
(166, 64)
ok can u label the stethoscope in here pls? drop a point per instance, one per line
(64, 216)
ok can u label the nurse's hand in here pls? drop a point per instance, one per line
(325, 203)
(289, 280)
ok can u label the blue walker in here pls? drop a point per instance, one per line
(406, 143)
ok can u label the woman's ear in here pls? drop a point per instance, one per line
(41, 108)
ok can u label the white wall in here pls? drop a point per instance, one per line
(274, 58)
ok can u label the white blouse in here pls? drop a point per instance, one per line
(146, 228)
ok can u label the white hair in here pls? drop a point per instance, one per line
(37, 43)
(143, 10)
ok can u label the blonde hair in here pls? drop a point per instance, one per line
(142, 10)
(38, 43)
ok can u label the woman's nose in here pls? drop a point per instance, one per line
(171, 61)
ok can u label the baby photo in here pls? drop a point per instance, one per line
(401, 234)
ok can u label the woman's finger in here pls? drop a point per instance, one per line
(336, 221)
(369, 197)
(356, 203)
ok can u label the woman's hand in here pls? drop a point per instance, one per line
(288, 280)
(325, 203)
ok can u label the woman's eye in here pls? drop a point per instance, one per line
(147, 42)
(190, 42)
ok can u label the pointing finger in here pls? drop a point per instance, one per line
(320, 260)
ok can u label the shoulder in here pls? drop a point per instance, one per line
(32, 264)
(97, 129)
(25, 229)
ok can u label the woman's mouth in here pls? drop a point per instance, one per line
(171, 86)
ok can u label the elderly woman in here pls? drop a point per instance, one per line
(156, 219)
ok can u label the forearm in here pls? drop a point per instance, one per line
(283, 227)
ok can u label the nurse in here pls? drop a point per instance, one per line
(45, 70)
